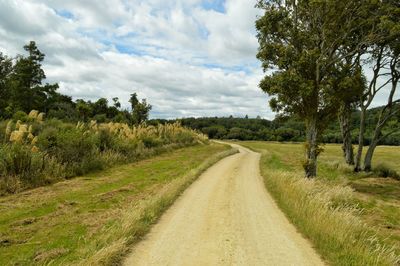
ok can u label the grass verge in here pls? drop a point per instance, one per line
(326, 210)
(93, 219)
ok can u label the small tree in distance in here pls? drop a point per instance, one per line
(140, 110)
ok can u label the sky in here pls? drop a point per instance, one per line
(188, 58)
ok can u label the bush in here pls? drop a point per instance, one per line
(47, 151)
(69, 145)
(126, 148)
(17, 160)
(150, 142)
(106, 140)
(101, 118)
(383, 170)
(19, 167)
(20, 115)
(3, 126)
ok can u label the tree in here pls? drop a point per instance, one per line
(26, 80)
(5, 72)
(383, 54)
(392, 107)
(24, 83)
(116, 102)
(299, 41)
(84, 109)
(133, 100)
(100, 107)
(140, 110)
(352, 83)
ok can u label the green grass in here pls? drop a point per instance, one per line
(351, 218)
(70, 221)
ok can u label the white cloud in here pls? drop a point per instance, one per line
(174, 89)
(187, 61)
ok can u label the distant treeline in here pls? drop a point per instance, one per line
(279, 129)
(22, 90)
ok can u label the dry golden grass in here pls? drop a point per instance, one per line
(85, 148)
(101, 213)
(138, 218)
(335, 228)
(161, 131)
(327, 210)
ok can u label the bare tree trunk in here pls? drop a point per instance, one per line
(310, 165)
(374, 142)
(344, 121)
(369, 154)
(390, 110)
(357, 166)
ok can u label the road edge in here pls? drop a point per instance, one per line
(140, 218)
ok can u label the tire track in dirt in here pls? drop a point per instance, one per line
(225, 218)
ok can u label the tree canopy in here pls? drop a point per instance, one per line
(22, 90)
(313, 51)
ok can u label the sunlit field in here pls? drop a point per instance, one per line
(351, 218)
(93, 218)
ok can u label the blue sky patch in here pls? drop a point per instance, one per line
(216, 5)
(64, 13)
(126, 49)
(238, 68)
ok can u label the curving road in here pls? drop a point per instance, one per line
(225, 218)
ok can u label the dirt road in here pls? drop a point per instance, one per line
(225, 218)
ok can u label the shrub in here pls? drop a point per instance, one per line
(106, 140)
(69, 145)
(17, 160)
(383, 170)
(125, 147)
(52, 170)
(101, 118)
(151, 142)
(3, 131)
(38, 152)
(21, 116)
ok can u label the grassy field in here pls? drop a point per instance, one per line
(352, 219)
(93, 219)
(35, 152)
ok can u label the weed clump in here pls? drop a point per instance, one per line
(383, 170)
(36, 152)
(325, 214)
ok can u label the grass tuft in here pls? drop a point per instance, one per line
(350, 218)
(139, 217)
(94, 219)
(382, 170)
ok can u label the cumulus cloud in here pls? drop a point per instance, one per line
(187, 57)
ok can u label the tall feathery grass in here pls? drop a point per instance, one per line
(326, 214)
(38, 152)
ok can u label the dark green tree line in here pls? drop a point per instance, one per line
(22, 90)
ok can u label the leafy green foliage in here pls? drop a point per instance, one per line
(140, 110)
(301, 45)
(36, 152)
(21, 90)
(383, 170)
(283, 128)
